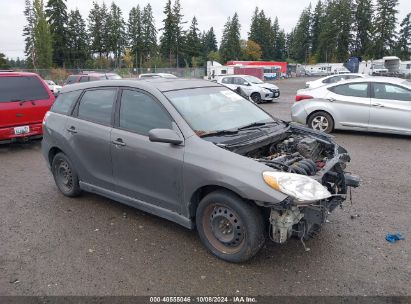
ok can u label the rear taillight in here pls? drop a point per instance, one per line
(302, 97)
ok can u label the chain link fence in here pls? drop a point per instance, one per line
(60, 75)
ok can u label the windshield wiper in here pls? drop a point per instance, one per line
(219, 132)
(257, 124)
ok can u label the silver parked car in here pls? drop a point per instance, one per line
(331, 79)
(198, 154)
(376, 104)
(258, 90)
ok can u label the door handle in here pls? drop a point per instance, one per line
(378, 105)
(119, 142)
(72, 130)
(331, 99)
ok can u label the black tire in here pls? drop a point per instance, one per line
(321, 121)
(65, 175)
(229, 227)
(256, 97)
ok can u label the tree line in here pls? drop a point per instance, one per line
(337, 29)
(331, 32)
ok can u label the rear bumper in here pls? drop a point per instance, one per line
(7, 134)
(298, 113)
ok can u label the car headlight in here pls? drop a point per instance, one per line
(266, 91)
(301, 187)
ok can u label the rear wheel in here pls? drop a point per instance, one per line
(256, 97)
(229, 227)
(65, 176)
(321, 121)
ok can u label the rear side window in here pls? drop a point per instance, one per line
(227, 80)
(19, 88)
(97, 106)
(389, 91)
(64, 102)
(332, 79)
(84, 79)
(352, 89)
(140, 113)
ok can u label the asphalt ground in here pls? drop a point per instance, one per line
(53, 245)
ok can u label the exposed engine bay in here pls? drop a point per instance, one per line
(306, 153)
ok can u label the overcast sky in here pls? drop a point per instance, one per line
(208, 12)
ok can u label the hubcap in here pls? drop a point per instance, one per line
(226, 226)
(320, 123)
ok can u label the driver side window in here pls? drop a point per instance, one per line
(141, 113)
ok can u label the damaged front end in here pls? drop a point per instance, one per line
(309, 168)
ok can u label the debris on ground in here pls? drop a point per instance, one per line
(15, 281)
(392, 238)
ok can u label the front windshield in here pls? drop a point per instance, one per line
(253, 79)
(214, 109)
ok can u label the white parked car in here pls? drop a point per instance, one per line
(331, 79)
(53, 86)
(259, 91)
(377, 104)
(157, 75)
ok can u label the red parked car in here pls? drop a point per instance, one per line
(24, 100)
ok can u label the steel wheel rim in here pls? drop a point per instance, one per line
(64, 176)
(320, 123)
(223, 228)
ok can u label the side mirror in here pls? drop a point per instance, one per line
(56, 93)
(164, 136)
(247, 84)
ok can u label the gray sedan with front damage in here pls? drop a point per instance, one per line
(198, 154)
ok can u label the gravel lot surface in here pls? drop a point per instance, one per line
(53, 245)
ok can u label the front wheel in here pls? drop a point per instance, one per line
(229, 227)
(256, 97)
(321, 121)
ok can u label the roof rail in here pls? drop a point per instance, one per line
(6, 71)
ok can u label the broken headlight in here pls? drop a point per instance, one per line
(301, 187)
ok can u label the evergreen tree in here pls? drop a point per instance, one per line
(28, 33)
(363, 27)
(149, 34)
(98, 29)
(302, 39)
(116, 33)
(4, 64)
(263, 33)
(135, 35)
(209, 42)
(192, 46)
(56, 12)
(230, 47)
(275, 41)
(327, 41)
(179, 32)
(77, 40)
(42, 37)
(385, 24)
(316, 26)
(404, 40)
(344, 24)
(280, 46)
(168, 38)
